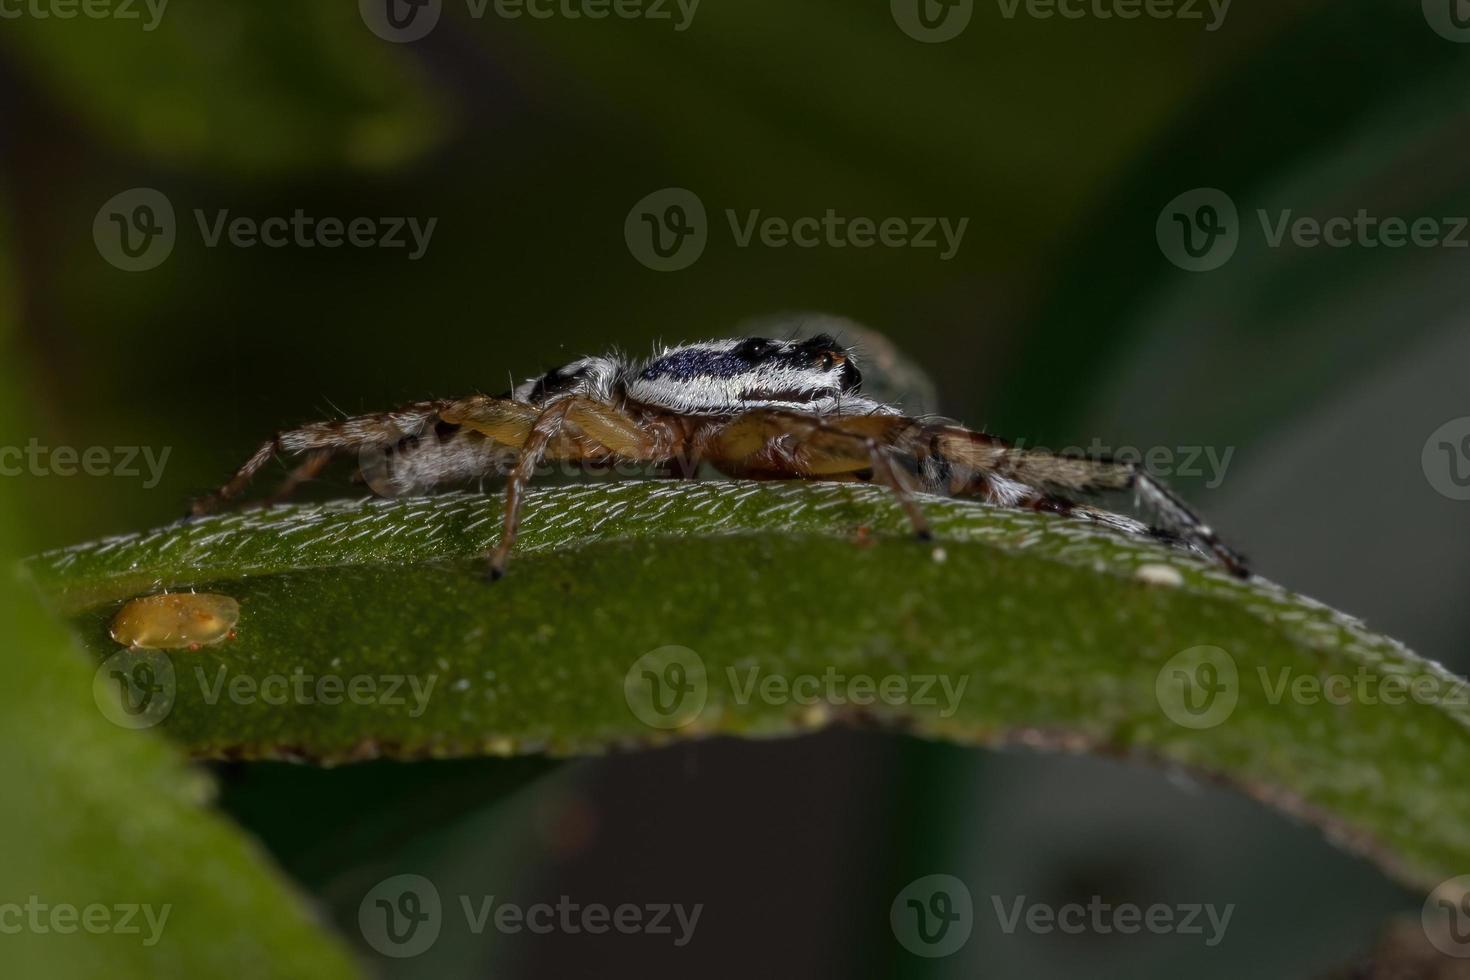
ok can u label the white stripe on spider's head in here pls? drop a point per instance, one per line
(729, 376)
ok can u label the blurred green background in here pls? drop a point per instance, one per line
(1322, 372)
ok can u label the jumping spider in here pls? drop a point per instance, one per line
(752, 408)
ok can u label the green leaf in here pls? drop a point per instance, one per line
(1015, 628)
(113, 865)
(99, 818)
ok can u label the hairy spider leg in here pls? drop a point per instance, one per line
(777, 444)
(573, 428)
(971, 462)
(339, 435)
(316, 461)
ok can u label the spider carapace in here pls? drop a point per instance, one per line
(751, 408)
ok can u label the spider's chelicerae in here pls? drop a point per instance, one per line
(752, 408)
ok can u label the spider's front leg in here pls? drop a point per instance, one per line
(502, 420)
(778, 444)
(977, 464)
(319, 442)
(574, 429)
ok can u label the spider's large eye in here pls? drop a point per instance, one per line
(828, 360)
(754, 349)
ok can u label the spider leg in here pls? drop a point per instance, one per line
(577, 429)
(339, 435)
(972, 463)
(607, 429)
(309, 470)
(775, 444)
(548, 424)
(500, 419)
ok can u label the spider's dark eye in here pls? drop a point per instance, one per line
(754, 349)
(827, 361)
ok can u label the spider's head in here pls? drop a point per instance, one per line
(590, 376)
(727, 376)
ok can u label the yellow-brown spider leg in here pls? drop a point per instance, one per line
(600, 428)
(572, 429)
(592, 427)
(499, 419)
(316, 461)
(774, 444)
(337, 435)
(547, 425)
